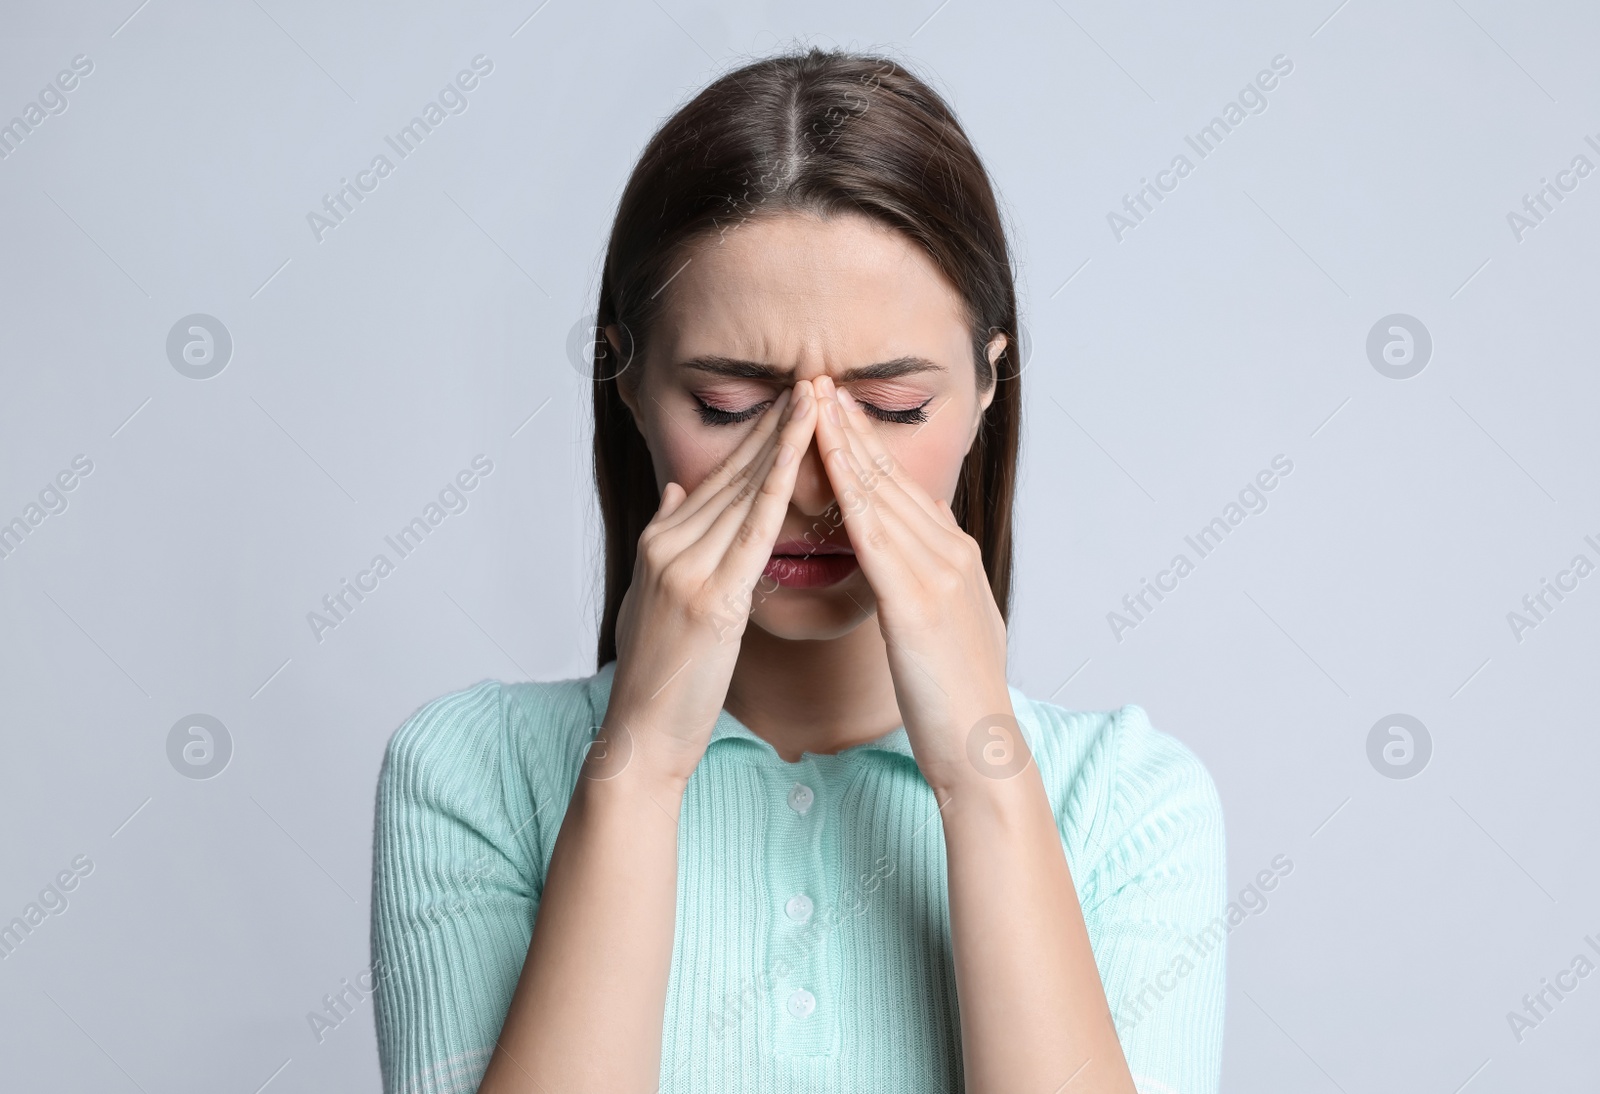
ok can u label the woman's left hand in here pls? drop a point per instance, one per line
(945, 636)
(1033, 1009)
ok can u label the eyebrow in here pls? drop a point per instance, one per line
(756, 370)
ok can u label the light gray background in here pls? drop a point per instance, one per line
(1167, 369)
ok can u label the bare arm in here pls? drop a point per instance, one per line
(1034, 1018)
(588, 1008)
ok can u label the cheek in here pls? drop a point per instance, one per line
(685, 453)
(932, 456)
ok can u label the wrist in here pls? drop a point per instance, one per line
(626, 753)
(966, 781)
(995, 808)
(629, 792)
(979, 745)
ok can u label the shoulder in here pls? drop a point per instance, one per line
(549, 725)
(1113, 754)
(493, 762)
(1119, 785)
(458, 731)
(493, 729)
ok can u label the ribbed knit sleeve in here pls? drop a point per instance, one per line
(453, 904)
(1157, 910)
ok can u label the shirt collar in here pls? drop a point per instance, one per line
(728, 727)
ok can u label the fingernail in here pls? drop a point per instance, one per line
(785, 455)
(831, 409)
(846, 398)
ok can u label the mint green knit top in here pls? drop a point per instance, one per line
(812, 949)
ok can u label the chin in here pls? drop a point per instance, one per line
(815, 615)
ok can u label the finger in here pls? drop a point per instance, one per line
(730, 526)
(898, 491)
(724, 480)
(932, 519)
(875, 530)
(866, 438)
(737, 463)
(751, 544)
(671, 497)
(883, 477)
(690, 530)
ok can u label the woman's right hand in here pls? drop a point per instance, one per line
(680, 623)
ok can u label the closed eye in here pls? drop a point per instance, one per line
(712, 415)
(911, 416)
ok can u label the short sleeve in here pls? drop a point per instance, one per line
(453, 907)
(1157, 916)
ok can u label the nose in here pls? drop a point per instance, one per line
(813, 490)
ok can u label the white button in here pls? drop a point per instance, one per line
(798, 908)
(802, 1003)
(801, 797)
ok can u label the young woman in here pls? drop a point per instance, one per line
(798, 833)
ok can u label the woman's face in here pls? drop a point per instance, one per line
(788, 297)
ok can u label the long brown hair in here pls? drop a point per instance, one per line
(824, 132)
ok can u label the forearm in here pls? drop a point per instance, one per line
(587, 1012)
(1033, 1011)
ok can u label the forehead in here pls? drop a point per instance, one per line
(793, 287)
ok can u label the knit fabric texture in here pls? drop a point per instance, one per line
(812, 944)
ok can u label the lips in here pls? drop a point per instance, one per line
(797, 564)
(800, 548)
